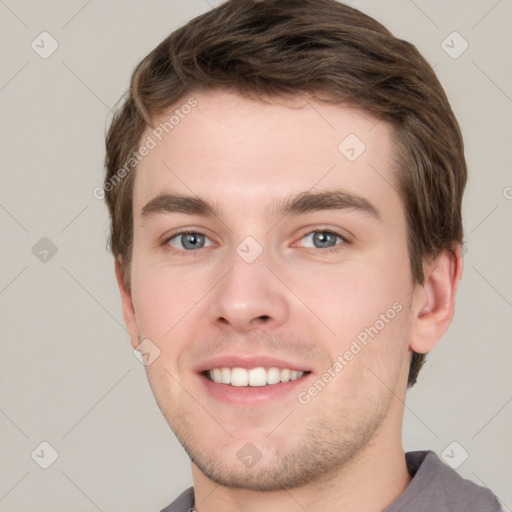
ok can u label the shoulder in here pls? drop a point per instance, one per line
(183, 503)
(436, 486)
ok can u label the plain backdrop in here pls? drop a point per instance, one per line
(68, 374)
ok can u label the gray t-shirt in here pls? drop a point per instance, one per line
(435, 487)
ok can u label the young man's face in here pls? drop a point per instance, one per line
(262, 286)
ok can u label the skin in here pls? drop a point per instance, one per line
(343, 449)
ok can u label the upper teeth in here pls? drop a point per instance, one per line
(253, 377)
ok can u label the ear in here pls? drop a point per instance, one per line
(434, 301)
(126, 300)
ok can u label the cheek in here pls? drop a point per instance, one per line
(365, 306)
(168, 301)
(353, 296)
(159, 301)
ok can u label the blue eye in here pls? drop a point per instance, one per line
(189, 241)
(323, 239)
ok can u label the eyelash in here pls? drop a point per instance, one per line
(327, 250)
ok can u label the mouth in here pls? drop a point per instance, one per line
(253, 387)
(252, 380)
(259, 376)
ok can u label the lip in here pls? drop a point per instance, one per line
(250, 361)
(252, 396)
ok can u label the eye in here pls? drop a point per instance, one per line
(322, 240)
(188, 241)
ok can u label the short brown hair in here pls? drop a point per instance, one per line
(276, 47)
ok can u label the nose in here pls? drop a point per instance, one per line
(249, 297)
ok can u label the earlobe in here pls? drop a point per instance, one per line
(127, 304)
(434, 301)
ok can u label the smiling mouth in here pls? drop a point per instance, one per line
(252, 377)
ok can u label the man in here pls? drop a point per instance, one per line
(284, 182)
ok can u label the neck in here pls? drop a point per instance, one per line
(369, 482)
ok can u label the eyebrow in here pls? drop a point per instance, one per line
(296, 204)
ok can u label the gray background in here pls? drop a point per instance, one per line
(68, 373)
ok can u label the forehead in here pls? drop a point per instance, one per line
(248, 152)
